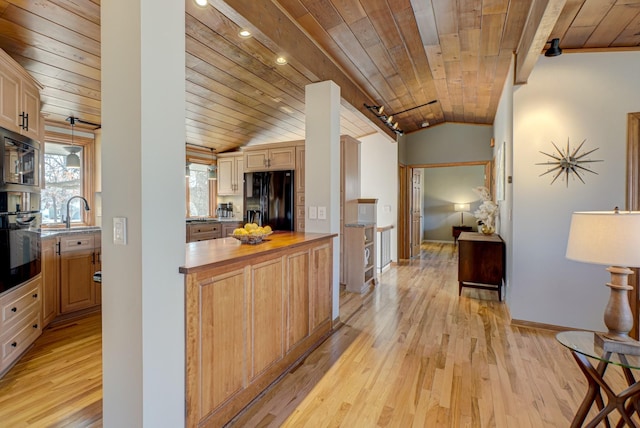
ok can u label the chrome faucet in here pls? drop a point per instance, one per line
(86, 208)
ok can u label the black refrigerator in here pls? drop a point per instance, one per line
(268, 199)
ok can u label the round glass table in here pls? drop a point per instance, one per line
(586, 344)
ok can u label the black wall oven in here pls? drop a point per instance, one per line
(19, 209)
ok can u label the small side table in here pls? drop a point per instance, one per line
(583, 346)
(457, 230)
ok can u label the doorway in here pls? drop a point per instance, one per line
(409, 230)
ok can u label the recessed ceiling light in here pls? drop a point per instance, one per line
(202, 3)
(244, 33)
(425, 124)
(281, 60)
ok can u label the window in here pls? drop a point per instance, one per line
(200, 191)
(61, 183)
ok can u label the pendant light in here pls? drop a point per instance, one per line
(212, 168)
(72, 160)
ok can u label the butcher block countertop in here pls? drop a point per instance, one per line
(217, 252)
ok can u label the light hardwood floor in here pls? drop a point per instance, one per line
(410, 353)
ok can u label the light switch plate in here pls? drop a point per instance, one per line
(322, 213)
(313, 213)
(120, 230)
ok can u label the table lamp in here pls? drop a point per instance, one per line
(610, 238)
(461, 208)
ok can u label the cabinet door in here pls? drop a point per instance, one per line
(98, 266)
(267, 315)
(282, 158)
(225, 176)
(50, 280)
(9, 98)
(298, 290)
(77, 289)
(320, 282)
(221, 326)
(31, 108)
(238, 185)
(256, 160)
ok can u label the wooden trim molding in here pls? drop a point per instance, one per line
(633, 201)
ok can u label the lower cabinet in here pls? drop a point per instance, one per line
(68, 265)
(249, 323)
(229, 227)
(20, 321)
(50, 280)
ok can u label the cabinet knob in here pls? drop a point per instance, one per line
(79, 243)
(35, 296)
(35, 326)
(14, 309)
(14, 344)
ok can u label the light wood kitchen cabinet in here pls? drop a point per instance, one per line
(50, 280)
(349, 191)
(19, 99)
(20, 321)
(270, 159)
(249, 320)
(360, 256)
(229, 226)
(266, 309)
(77, 265)
(203, 231)
(230, 175)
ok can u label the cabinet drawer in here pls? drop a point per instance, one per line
(15, 341)
(205, 227)
(75, 243)
(19, 302)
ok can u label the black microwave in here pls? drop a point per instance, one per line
(20, 166)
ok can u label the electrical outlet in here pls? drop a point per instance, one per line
(322, 213)
(120, 230)
(313, 213)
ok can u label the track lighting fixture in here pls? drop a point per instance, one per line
(378, 111)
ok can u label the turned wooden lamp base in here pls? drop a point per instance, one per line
(618, 316)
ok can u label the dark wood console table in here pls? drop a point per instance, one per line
(481, 261)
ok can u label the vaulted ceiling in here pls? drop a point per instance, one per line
(401, 54)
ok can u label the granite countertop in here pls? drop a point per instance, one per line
(49, 233)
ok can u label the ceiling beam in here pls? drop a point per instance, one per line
(543, 16)
(282, 30)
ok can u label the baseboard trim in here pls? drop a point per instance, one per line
(539, 325)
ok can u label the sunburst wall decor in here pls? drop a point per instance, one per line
(568, 162)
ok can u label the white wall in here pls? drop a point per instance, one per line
(449, 142)
(143, 152)
(379, 179)
(503, 134)
(575, 97)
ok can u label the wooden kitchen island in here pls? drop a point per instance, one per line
(252, 311)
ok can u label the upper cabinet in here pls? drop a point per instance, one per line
(19, 99)
(230, 174)
(270, 159)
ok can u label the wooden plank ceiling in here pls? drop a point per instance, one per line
(397, 53)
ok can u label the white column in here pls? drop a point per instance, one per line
(322, 168)
(143, 152)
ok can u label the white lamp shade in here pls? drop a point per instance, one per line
(605, 237)
(461, 207)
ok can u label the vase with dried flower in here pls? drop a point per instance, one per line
(486, 212)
